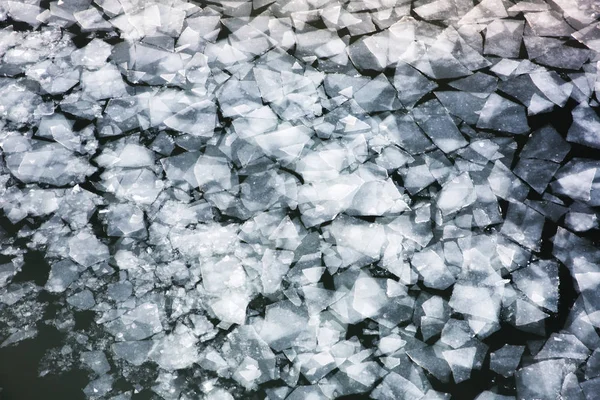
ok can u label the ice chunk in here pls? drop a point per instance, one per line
(119, 291)
(548, 23)
(83, 300)
(539, 282)
(592, 367)
(395, 386)
(404, 132)
(546, 144)
(284, 323)
(411, 84)
(365, 373)
(367, 297)
(501, 114)
(478, 83)
(91, 20)
(138, 185)
(433, 269)
(51, 163)
(62, 274)
(456, 333)
(377, 198)
(437, 124)
(230, 306)
(175, 351)
(552, 86)
(503, 38)
(129, 156)
(93, 55)
(213, 173)
(586, 127)
(436, 10)
(480, 302)
(527, 314)
(96, 361)
(523, 225)
(465, 106)
(250, 358)
(99, 387)
(239, 98)
(591, 388)
(198, 119)
(505, 360)
(275, 265)
(87, 250)
(563, 346)
(286, 143)
(485, 11)
(537, 173)
(542, 380)
(431, 359)
(350, 233)
(135, 352)
(104, 83)
(578, 180)
(456, 194)
(377, 95)
(137, 324)
(461, 362)
(23, 334)
(126, 220)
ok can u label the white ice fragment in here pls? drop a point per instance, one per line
(548, 23)
(503, 38)
(126, 220)
(542, 380)
(433, 269)
(93, 55)
(377, 95)
(523, 225)
(249, 357)
(99, 387)
(231, 306)
(83, 300)
(461, 362)
(480, 302)
(563, 346)
(396, 387)
(96, 361)
(91, 20)
(134, 352)
(585, 129)
(505, 360)
(456, 194)
(284, 323)
(137, 324)
(485, 11)
(104, 83)
(51, 163)
(87, 250)
(539, 281)
(25, 11)
(501, 114)
(198, 119)
(175, 351)
(213, 173)
(377, 198)
(285, 144)
(62, 274)
(526, 313)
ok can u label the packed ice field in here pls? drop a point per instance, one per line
(300, 200)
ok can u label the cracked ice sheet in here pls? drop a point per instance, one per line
(301, 200)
